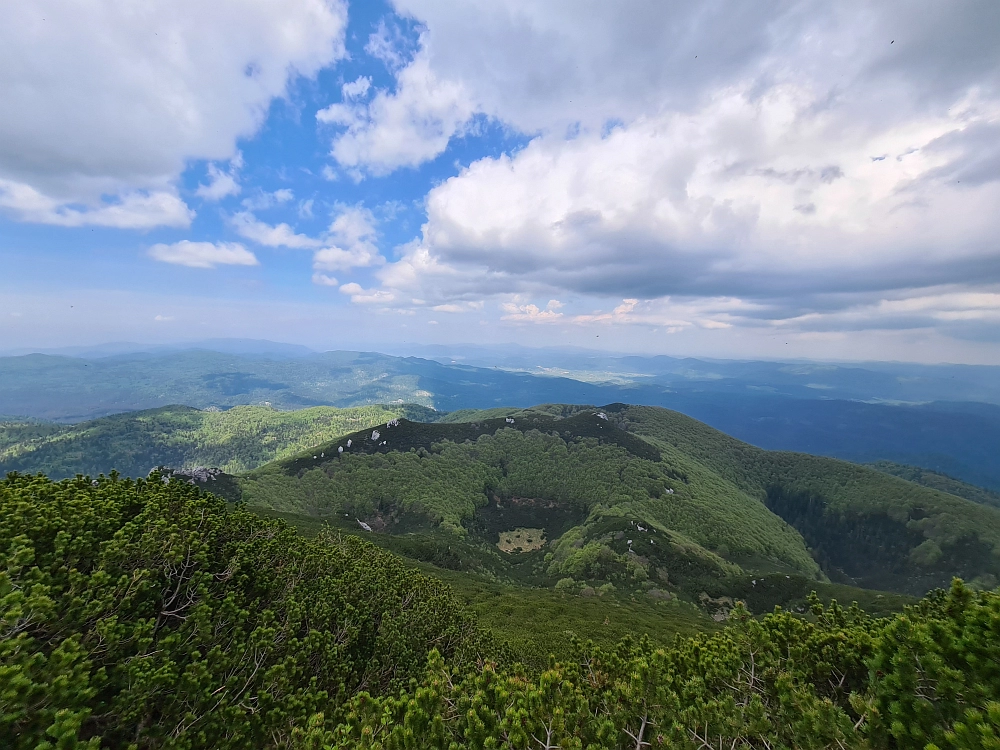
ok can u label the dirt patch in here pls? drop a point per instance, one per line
(521, 540)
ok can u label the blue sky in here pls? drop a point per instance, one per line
(781, 179)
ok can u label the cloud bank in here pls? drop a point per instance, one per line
(785, 165)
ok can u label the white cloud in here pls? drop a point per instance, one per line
(715, 165)
(262, 199)
(672, 315)
(531, 313)
(114, 99)
(133, 210)
(361, 296)
(203, 254)
(388, 44)
(323, 279)
(463, 307)
(357, 88)
(352, 236)
(281, 235)
(713, 203)
(402, 128)
(222, 183)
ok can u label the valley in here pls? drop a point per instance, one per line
(942, 418)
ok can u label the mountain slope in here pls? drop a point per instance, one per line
(938, 481)
(236, 440)
(634, 495)
(864, 526)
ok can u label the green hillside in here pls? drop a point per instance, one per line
(635, 498)
(236, 440)
(938, 481)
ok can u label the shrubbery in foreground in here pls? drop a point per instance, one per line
(142, 614)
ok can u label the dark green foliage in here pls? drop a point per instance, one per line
(838, 679)
(581, 467)
(405, 434)
(780, 683)
(877, 550)
(144, 612)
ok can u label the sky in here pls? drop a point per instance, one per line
(773, 179)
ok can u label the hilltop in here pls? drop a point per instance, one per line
(635, 497)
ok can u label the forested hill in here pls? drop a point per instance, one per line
(938, 481)
(236, 440)
(636, 495)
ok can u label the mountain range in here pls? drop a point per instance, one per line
(940, 418)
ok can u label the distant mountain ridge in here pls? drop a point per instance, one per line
(959, 439)
(236, 440)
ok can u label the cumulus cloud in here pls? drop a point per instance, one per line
(280, 235)
(349, 242)
(221, 182)
(357, 88)
(323, 279)
(132, 210)
(714, 165)
(110, 99)
(220, 185)
(203, 254)
(712, 202)
(531, 312)
(361, 296)
(403, 128)
(352, 236)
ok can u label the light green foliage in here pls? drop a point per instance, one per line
(142, 615)
(840, 679)
(143, 612)
(236, 440)
(937, 673)
(832, 502)
(937, 481)
(780, 683)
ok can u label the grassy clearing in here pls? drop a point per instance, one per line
(521, 540)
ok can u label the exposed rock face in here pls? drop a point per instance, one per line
(196, 475)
